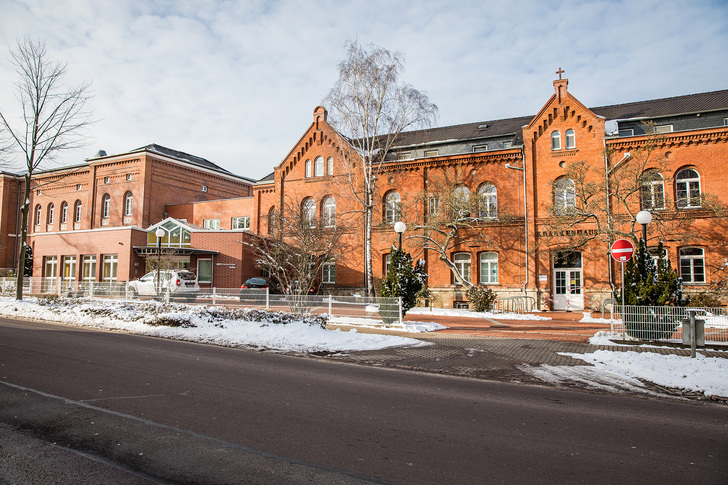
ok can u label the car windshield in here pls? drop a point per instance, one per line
(186, 275)
(256, 281)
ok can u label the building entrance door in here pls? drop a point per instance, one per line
(568, 288)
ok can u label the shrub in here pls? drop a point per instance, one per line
(482, 297)
(705, 299)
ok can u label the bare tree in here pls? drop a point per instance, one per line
(302, 247)
(370, 107)
(597, 202)
(454, 215)
(52, 121)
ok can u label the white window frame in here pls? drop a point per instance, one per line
(328, 212)
(211, 224)
(51, 213)
(392, 207)
(570, 138)
(88, 268)
(240, 222)
(110, 267)
(77, 211)
(128, 204)
(201, 260)
(556, 140)
(652, 191)
(328, 273)
(318, 166)
(430, 153)
(488, 201)
(463, 263)
(488, 268)
(68, 268)
(564, 196)
(663, 129)
(308, 168)
(688, 186)
(433, 206)
(480, 148)
(461, 202)
(330, 166)
(38, 214)
(689, 263)
(308, 211)
(105, 206)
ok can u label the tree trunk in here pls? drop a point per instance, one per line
(23, 237)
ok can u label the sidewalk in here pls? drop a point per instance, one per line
(498, 349)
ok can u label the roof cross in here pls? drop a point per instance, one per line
(560, 72)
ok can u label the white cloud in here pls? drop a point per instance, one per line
(237, 82)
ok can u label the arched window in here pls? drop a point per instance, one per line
(318, 170)
(105, 206)
(77, 211)
(330, 166)
(652, 190)
(308, 209)
(487, 201)
(570, 138)
(462, 264)
(51, 210)
(328, 211)
(308, 168)
(488, 268)
(271, 220)
(687, 189)
(38, 212)
(556, 140)
(564, 196)
(128, 203)
(392, 208)
(64, 212)
(461, 202)
(692, 265)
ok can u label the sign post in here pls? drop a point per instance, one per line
(622, 251)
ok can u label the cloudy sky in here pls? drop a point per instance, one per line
(236, 82)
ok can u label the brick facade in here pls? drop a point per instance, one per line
(523, 159)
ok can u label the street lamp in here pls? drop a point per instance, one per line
(160, 234)
(399, 228)
(644, 218)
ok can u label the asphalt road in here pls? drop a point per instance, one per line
(181, 412)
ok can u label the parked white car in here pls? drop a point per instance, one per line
(180, 283)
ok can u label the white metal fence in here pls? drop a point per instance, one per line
(340, 309)
(669, 323)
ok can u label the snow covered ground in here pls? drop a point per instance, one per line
(615, 371)
(201, 324)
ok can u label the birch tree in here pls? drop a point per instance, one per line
(52, 119)
(370, 106)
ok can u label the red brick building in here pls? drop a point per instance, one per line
(541, 222)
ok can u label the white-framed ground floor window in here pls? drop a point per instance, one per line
(463, 265)
(111, 261)
(489, 268)
(692, 265)
(88, 268)
(328, 273)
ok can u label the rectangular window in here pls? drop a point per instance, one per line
(69, 268)
(626, 132)
(489, 268)
(430, 153)
(330, 166)
(308, 168)
(111, 261)
(211, 224)
(242, 222)
(88, 270)
(462, 264)
(49, 273)
(725, 121)
(329, 273)
(107, 180)
(204, 188)
(480, 148)
(507, 144)
(404, 156)
(663, 128)
(692, 265)
(204, 270)
(318, 167)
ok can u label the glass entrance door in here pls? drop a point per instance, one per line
(568, 287)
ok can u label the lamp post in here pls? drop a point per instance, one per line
(399, 228)
(644, 218)
(160, 234)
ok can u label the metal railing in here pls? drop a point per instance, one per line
(339, 309)
(668, 323)
(514, 304)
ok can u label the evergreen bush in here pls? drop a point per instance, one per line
(404, 280)
(482, 297)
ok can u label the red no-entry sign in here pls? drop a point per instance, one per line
(622, 250)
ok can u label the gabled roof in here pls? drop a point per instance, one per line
(691, 103)
(182, 156)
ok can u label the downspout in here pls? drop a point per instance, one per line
(17, 226)
(525, 213)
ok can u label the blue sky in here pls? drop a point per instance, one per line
(236, 82)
